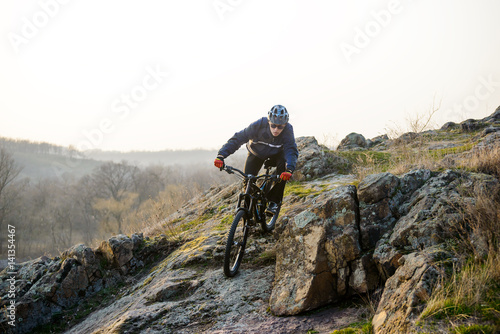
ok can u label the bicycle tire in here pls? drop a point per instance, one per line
(236, 243)
(269, 222)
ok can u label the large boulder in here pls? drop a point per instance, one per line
(406, 292)
(353, 141)
(380, 199)
(318, 255)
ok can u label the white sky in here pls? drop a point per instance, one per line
(67, 67)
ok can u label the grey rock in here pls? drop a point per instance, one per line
(449, 126)
(316, 160)
(376, 187)
(428, 217)
(314, 251)
(469, 125)
(118, 250)
(353, 141)
(406, 291)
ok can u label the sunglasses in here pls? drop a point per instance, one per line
(274, 126)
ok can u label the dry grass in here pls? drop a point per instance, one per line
(470, 297)
(486, 160)
(480, 226)
(402, 159)
(408, 159)
(472, 293)
(151, 216)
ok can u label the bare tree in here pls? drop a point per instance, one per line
(421, 122)
(84, 195)
(114, 179)
(150, 181)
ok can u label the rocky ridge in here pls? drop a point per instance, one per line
(336, 239)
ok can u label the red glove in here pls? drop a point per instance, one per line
(285, 176)
(219, 162)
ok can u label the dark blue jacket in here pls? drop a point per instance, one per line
(263, 144)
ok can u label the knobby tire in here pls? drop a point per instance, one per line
(268, 222)
(235, 245)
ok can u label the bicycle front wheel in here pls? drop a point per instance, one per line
(235, 245)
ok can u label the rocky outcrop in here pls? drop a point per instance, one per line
(492, 122)
(325, 251)
(350, 242)
(316, 160)
(406, 254)
(428, 217)
(49, 286)
(382, 199)
(493, 118)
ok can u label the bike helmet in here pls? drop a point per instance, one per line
(278, 115)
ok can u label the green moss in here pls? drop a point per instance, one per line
(440, 153)
(363, 327)
(196, 222)
(475, 329)
(297, 189)
(225, 223)
(300, 189)
(175, 221)
(266, 258)
(147, 281)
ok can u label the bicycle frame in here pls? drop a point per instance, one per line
(253, 192)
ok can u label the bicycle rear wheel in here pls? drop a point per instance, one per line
(267, 221)
(235, 245)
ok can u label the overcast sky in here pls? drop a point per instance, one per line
(157, 74)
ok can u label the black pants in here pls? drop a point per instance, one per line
(253, 165)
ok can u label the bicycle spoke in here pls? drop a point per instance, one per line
(235, 246)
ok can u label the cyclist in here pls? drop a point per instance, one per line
(270, 137)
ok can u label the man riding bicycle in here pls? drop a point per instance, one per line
(270, 137)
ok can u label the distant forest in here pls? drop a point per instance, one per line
(57, 197)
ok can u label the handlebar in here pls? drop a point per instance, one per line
(231, 170)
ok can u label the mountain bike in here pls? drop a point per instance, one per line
(250, 210)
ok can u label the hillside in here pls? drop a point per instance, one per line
(367, 236)
(44, 160)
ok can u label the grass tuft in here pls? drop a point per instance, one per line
(472, 292)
